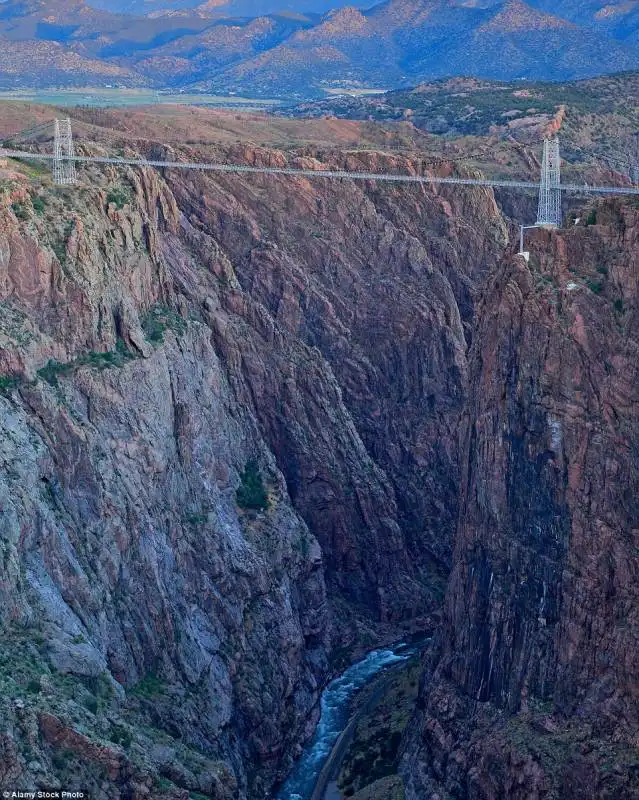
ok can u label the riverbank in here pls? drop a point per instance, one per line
(365, 754)
(348, 700)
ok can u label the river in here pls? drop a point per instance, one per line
(335, 708)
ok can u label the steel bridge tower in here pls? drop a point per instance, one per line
(64, 173)
(549, 210)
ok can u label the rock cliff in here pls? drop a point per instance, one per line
(379, 286)
(157, 334)
(532, 690)
(140, 605)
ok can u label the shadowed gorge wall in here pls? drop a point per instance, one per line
(541, 612)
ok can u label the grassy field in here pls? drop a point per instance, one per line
(102, 97)
(186, 124)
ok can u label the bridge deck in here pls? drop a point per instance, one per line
(322, 173)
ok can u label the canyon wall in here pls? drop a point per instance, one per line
(154, 634)
(379, 284)
(532, 689)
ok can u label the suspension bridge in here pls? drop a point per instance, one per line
(64, 160)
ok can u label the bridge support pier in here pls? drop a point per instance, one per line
(64, 173)
(549, 209)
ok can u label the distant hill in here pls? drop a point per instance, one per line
(619, 18)
(595, 115)
(243, 8)
(305, 54)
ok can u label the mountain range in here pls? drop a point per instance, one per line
(251, 48)
(248, 8)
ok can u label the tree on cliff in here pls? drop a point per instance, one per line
(251, 493)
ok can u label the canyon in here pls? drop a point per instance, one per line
(425, 410)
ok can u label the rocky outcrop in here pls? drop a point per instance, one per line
(532, 691)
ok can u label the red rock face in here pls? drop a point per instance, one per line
(534, 687)
(142, 567)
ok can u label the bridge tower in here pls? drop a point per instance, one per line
(549, 209)
(64, 173)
